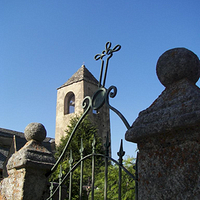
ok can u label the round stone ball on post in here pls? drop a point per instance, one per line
(176, 64)
(35, 131)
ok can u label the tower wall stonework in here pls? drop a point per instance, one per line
(62, 119)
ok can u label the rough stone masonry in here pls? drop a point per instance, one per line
(168, 132)
(27, 168)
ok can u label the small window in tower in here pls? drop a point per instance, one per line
(95, 111)
(69, 103)
(72, 104)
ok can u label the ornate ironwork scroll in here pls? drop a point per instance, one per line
(108, 51)
(100, 97)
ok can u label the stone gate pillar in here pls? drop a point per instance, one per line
(168, 132)
(27, 168)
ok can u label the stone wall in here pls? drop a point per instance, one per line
(27, 168)
(62, 120)
(168, 132)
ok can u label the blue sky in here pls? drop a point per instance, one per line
(43, 43)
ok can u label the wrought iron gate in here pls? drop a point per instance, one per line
(100, 97)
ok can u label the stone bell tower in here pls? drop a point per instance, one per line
(69, 102)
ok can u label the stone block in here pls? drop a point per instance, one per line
(168, 132)
(27, 168)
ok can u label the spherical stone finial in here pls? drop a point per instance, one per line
(35, 131)
(176, 64)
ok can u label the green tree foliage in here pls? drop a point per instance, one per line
(87, 131)
(128, 183)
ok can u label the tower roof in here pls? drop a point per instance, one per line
(82, 74)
